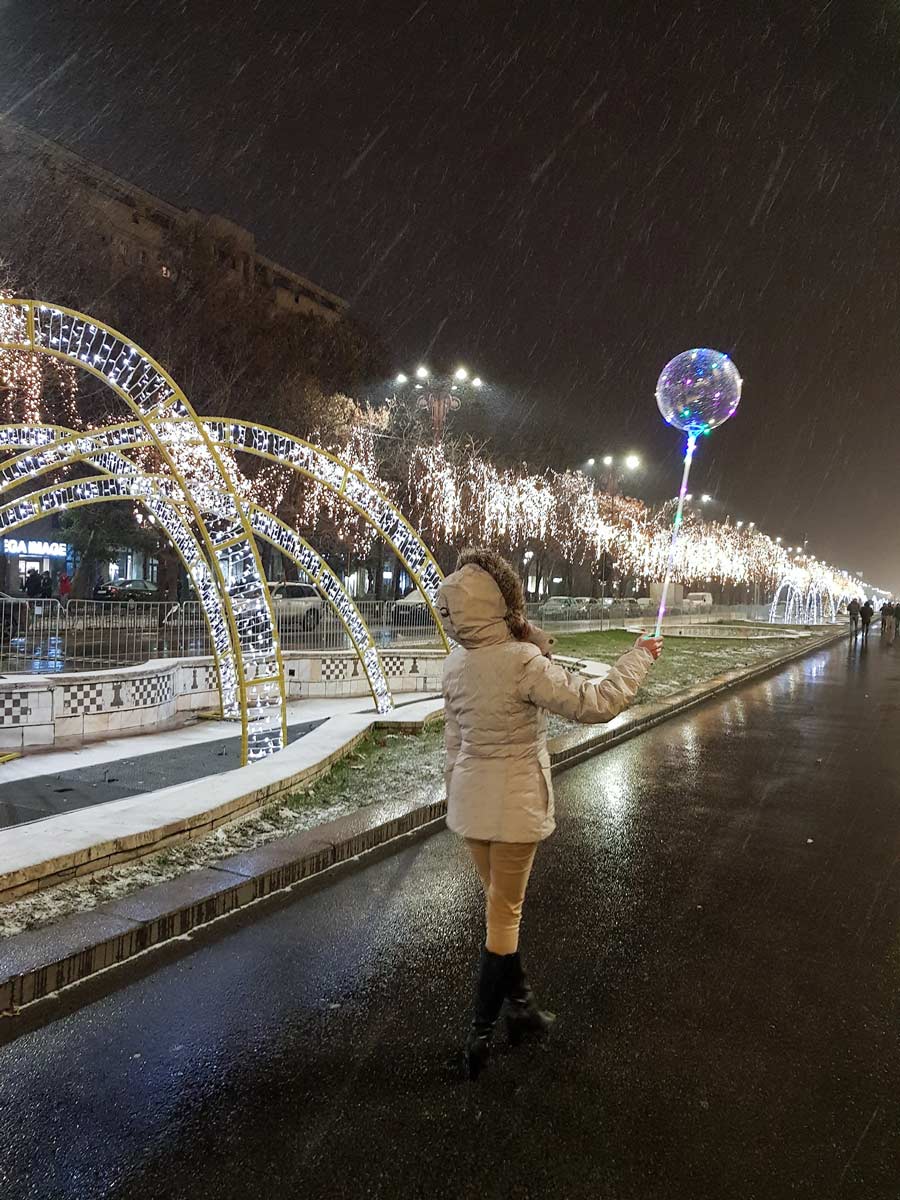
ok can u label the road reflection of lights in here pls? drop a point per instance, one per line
(734, 716)
(690, 743)
(616, 793)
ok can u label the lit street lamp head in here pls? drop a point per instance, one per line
(632, 462)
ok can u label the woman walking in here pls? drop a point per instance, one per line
(497, 684)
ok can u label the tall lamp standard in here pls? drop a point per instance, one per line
(612, 471)
(437, 394)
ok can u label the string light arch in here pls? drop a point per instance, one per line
(229, 577)
(51, 445)
(158, 495)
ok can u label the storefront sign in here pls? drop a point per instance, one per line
(35, 549)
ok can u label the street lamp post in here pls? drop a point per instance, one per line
(439, 395)
(609, 479)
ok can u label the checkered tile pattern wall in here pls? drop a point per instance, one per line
(81, 699)
(151, 690)
(14, 707)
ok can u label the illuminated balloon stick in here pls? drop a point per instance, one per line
(696, 391)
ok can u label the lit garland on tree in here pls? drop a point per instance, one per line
(473, 502)
(23, 380)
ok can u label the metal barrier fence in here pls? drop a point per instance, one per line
(44, 636)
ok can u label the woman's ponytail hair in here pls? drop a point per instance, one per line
(506, 579)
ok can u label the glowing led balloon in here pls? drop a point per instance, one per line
(698, 390)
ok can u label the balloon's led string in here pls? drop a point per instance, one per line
(676, 528)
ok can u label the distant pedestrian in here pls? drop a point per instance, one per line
(65, 587)
(866, 613)
(46, 585)
(889, 622)
(853, 610)
(32, 584)
(497, 684)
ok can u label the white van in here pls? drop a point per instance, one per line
(699, 600)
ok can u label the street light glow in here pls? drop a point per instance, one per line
(632, 462)
(401, 378)
(461, 374)
(705, 498)
(607, 460)
(476, 382)
(422, 372)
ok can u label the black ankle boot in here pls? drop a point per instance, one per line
(488, 1002)
(523, 1017)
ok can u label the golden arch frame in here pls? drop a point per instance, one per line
(252, 677)
(132, 483)
(167, 423)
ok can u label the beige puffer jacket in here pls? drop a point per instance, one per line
(495, 691)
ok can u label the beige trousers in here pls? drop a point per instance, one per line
(504, 868)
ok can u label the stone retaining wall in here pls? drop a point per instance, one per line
(66, 710)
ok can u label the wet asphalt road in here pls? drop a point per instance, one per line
(716, 922)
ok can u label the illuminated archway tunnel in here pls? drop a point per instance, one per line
(123, 480)
(200, 495)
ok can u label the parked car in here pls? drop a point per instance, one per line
(127, 589)
(300, 603)
(585, 604)
(411, 610)
(626, 608)
(698, 600)
(559, 608)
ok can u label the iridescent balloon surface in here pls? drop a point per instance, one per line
(698, 390)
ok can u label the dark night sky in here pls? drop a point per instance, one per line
(561, 195)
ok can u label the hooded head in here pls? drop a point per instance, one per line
(472, 608)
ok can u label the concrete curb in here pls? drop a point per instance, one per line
(36, 964)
